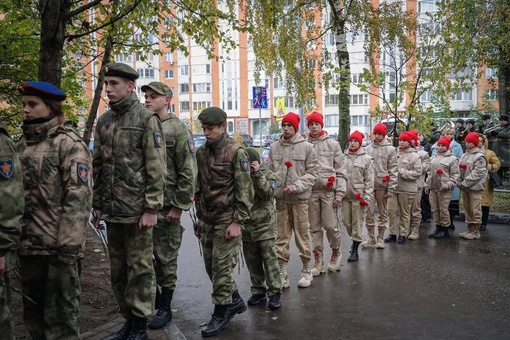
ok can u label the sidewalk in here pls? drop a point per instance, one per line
(499, 218)
(170, 331)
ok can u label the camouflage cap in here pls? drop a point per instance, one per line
(212, 116)
(158, 87)
(121, 70)
(253, 155)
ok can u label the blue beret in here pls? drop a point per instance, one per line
(42, 89)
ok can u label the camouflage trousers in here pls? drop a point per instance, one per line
(167, 241)
(55, 288)
(132, 271)
(6, 326)
(263, 266)
(220, 256)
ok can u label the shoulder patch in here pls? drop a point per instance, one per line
(83, 172)
(158, 139)
(6, 167)
(191, 144)
(272, 184)
(245, 164)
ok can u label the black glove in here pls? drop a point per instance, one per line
(494, 133)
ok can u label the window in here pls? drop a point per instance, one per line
(276, 83)
(202, 87)
(201, 69)
(331, 120)
(289, 101)
(359, 120)
(355, 78)
(491, 72)
(184, 70)
(199, 106)
(462, 95)
(124, 58)
(184, 106)
(427, 6)
(184, 88)
(171, 108)
(466, 72)
(146, 73)
(169, 74)
(491, 95)
(144, 56)
(359, 99)
(426, 96)
(169, 58)
(332, 100)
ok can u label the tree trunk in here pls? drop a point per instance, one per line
(338, 29)
(504, 86)
(53, 25)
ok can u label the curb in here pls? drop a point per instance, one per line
(496, 218)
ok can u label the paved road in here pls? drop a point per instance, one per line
(426, 289)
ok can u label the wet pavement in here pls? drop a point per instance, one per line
(424, 289)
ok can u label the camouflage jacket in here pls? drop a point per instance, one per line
(129, 162)
(12, 201)
(181, 163)
(224, 185)
(58, 190)
(262, 222)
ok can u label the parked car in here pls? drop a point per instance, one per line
(264, 155)
(199, 141)
(266, 140)
(247, 139)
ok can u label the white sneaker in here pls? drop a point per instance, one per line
(369, 242)
(319, 266)
(334, 264)
(306, 280)
(284, 275)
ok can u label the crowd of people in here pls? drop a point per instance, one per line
(144, 172)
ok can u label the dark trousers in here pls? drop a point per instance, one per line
(485, 215)
(426, 210)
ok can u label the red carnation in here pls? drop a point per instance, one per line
(288, 164)
(439, 171)
(331, 179)
(363, 203)
(330, 185)
(195, 198)
(386, 178)
(358, 196)
(463, 166)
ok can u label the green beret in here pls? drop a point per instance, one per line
(121, 70)
(212, 116)
(158, 87)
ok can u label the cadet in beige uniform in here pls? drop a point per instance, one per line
(409, 171)
(327, 194)
(473, 172)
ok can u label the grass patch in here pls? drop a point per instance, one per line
(501, 202)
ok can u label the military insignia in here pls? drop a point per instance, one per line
(272, 184)
(191, 144)
(245, 165)
(106, 69)
(6, 167)
(83, 172)
(158, 139)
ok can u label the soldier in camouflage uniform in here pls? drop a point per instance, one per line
(58, 191)
(225, 197)
(129, 180)
(259, 237)
(12, 205)
(180, 189)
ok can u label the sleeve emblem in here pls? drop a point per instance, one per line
(83, 172)
(191, 144)
(158, 139)
(6, 167)
(272, 184)
(245, 165)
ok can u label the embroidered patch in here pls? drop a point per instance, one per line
(272, 185)
(191, 144)
(6, 167)
(245, 165)
(158, 139)
(83, 172)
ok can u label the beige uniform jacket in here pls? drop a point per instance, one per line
(473, 170)
(425, 165)
(444, 172)
(384, 155)
(409, 171)
(360, 175)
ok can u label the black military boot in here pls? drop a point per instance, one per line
(435, 232)
(139, 330)
(274, 302)
(354, 252)
(236, 307)
(164, 313)
(255, 299)
(401, 240)
(443, 233)
(123, 333)
(218, 321)
(390, 238)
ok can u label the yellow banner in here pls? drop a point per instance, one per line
(280, 109)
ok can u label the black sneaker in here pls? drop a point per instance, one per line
(401, 240)
(274, 302)
(390, 238)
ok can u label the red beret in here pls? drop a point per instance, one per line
(315, 117)
(293, 119)
(381, 129)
